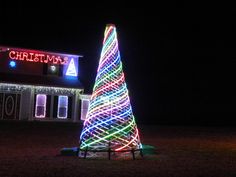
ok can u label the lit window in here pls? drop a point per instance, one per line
(62, 107)
(84, 108)
(40, 108)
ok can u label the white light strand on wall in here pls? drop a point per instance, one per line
(38, 89)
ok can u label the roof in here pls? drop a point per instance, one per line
(6, 48)
(33, 75)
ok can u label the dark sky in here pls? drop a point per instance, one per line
(179, 63)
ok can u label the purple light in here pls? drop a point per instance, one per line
(71, 70)
(40, 108)
(62, 107)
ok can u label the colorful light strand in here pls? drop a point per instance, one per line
(110, 123)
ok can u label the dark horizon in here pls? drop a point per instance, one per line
(179, 65)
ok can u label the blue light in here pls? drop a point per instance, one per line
(71, 70)
(12, 64)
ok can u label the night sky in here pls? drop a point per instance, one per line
(179, 63)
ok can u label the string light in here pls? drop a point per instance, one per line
(39, 89)
(110, 123)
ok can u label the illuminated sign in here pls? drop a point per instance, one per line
(38, 57)
(71, 69)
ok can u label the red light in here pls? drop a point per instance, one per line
(38, 57)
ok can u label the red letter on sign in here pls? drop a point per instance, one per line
(50, 60)
(18, 56)
(31, 57)
(36, 59)
(25, 56)
(41, 56)
(12, 55)
(65, 61)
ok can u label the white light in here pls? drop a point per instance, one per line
(53, 68)
(39, 89)
(71, 70)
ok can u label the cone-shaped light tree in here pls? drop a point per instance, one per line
(110, 123)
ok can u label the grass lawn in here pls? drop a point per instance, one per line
(32, 149)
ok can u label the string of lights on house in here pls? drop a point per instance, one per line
(38, 89)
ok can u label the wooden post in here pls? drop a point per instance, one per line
(132, 151)
(85, 153)
(141, 152)
(109, 150)
(77, 151)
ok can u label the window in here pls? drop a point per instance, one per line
(62, 107)
(40, 107)
(84, 108)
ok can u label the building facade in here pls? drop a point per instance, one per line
(40, 85)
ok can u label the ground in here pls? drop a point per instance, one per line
(33, 149)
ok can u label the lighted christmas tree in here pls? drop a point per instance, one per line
(110, 123)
